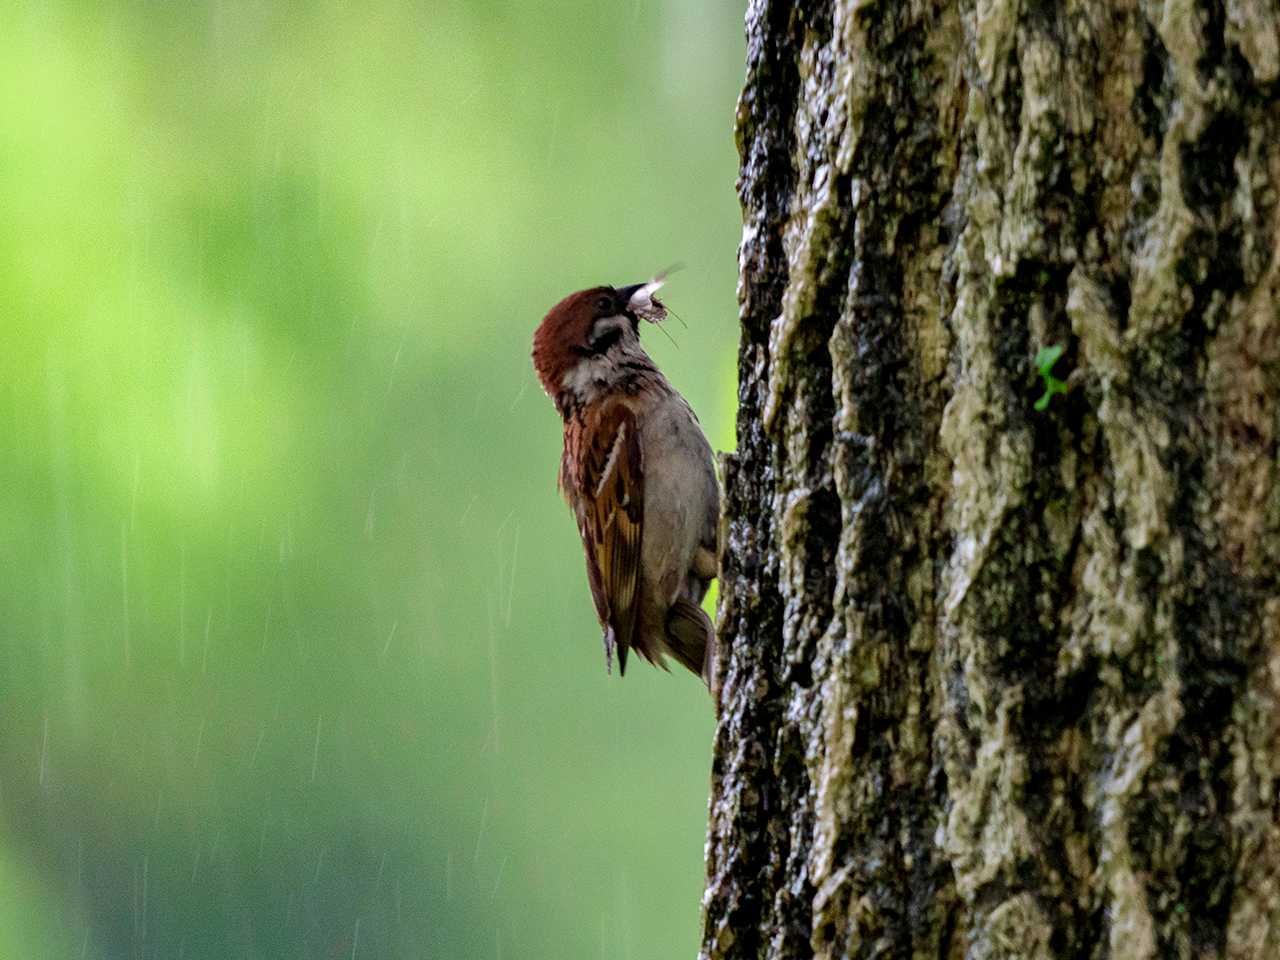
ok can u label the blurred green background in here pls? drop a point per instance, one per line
(297, 657)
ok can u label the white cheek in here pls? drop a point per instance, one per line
(582, 379)
(607, 325)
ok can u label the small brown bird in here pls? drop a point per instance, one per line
(637, 473)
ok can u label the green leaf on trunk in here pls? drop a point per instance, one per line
(1045, 359)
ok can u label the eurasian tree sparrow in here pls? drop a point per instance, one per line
(638, 474)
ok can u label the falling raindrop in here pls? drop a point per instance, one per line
(315, 753)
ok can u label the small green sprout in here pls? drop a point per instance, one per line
(1045, 360)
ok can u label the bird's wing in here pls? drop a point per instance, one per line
(603, 478)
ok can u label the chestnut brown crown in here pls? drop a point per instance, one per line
(565, 335)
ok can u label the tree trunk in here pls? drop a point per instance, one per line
(1000, 681)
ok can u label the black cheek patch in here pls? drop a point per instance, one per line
(607, 339)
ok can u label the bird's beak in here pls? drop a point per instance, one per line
(626, 293)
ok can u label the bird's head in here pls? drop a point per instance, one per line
(584, 338)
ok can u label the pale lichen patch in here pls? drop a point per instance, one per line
(994, 25)
(1143, 489)
(1136, 745)
(1252, 26)
(987, 834)
(1254, 926)
(1017, 929)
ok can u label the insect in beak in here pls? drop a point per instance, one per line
(640, 299)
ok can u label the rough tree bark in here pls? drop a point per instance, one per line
(1001, 682)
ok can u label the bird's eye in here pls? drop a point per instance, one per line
(604, 303)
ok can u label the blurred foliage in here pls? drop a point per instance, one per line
(297, 655)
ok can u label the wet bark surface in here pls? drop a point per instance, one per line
(1000, 681)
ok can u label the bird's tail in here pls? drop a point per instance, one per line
(689, 635)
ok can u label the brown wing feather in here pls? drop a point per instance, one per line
(602, 477)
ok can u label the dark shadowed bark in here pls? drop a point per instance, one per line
(1000, 681)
